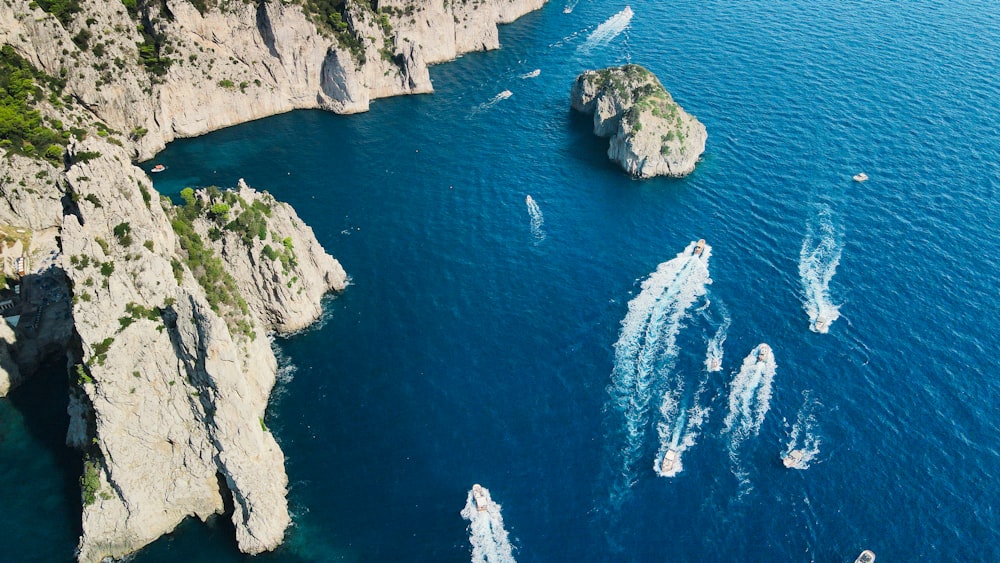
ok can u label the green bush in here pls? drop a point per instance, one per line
(90, 481)
(21, 128)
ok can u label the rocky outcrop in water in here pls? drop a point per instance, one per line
(176, 368)
(650, 134)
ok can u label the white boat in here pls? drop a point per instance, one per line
(668, 462)
(714, 364)
(867, 556)
(793, 460)
(699, 247)
(158, 168)
(860, 177)
(821, 324)
(479, 495)
(763, 353)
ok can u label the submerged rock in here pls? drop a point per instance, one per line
(650, 134)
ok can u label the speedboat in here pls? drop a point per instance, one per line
(793, 460)
(668, 463)
(158, 168)
(763, 353)
(867, 556)
(699, 247)
(479, 495)
(714, 364)
(821, 324)
(860, 177)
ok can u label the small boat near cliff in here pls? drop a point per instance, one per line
(158, 168)
(860, 177)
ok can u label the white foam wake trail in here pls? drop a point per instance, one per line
(608, 30)
(569, 6)
(818, 261)
(646, 348)
(749, 397)
(486, 532)
(803, 436)
(493, 101)
(537, 219)
(679, 428)
(713, 356)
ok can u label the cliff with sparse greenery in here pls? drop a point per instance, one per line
(651, 135)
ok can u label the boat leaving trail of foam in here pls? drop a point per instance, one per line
(493, 101)
(568, 9)
(537, 219)
(803, 442)
(646, 349)
(713, 355)
(607, 30)
(818, 261)
(749, 401)
(679, 428)
(486, 532)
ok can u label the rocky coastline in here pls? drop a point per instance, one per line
(650, 134)
(163, 311)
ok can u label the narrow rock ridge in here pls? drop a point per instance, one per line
(650, 134)
(175, 379)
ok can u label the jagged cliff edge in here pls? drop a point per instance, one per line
(164, 311)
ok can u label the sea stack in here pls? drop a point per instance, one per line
(650, 134)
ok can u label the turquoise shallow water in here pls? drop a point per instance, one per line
(471, 349)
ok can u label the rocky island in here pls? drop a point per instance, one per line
(162, 311)
(650, 134)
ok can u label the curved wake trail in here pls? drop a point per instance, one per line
(607, 30)
(818, 261)
(803, 436)
(493, 101)
(749, 401)
(486, 532)
(713, 356)
(537, 219)
(679, 428)
(646, 348)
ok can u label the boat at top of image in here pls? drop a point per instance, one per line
(794, 459)
(860, 177)
(867, 556)
(158, 168)
(821, 323)
(699, 248)
(669, 462)
(482, 500)
(714, 364)
(763, 353)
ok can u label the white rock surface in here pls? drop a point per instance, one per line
(174, 397)
(650, 134)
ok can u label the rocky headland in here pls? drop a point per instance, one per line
(162, 311)
(650, 134)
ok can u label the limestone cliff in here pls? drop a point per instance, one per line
(233, 62)
(650, 134)
(176, 369)
(164, 311)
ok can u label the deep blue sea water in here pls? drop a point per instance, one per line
(471, 348)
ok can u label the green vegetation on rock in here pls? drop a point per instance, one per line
(22, 128)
